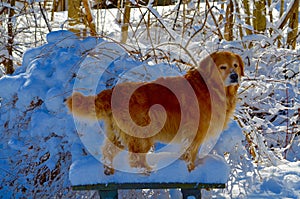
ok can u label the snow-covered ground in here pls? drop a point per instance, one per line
(44, 149)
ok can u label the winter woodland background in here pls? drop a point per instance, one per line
(264, 32)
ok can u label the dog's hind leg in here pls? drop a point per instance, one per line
(112, 146)
(109, 151)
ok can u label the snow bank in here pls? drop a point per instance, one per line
(282, 180)
(38, 136)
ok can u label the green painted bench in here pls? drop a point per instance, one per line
(110, 191)
(211, 173)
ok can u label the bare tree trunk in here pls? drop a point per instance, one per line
(247, 18)
(281, 7)
(125, 24)
(89, 18)
(228, 31)
(44, 4)
(293, 25)
(54, 9)
(270, 15)
(289, 16)
(221, 17)
(281, 13)
(9, 65)
(259, 14)
(74, 15)
(238, 15)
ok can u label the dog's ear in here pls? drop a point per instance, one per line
(241, 63)
(208, 70)
(208, 61)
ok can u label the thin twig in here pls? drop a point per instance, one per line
(177, 14)
(215, 21)
(44, 17)
(162, 23)
(200, 29)
(185, 50)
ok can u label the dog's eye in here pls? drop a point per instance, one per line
(235, 65)
(223, 67)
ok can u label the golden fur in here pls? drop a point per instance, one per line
(164, 124)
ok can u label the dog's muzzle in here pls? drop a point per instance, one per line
(234, 78)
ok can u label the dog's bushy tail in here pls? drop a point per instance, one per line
(90, 107)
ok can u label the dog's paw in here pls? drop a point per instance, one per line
(186, 157)
(108, 170)
(191, 167)
(145, 171)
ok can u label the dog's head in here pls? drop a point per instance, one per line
(230, 66)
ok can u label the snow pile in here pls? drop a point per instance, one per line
(282, 180)
(38, 136)
(211, 169)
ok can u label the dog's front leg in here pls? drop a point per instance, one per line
(139, 161)
(138, 149)
(190, 155)
(187, 157)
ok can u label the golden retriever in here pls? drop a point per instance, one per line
(138, 129)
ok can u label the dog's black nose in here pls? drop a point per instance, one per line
(234, 77)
